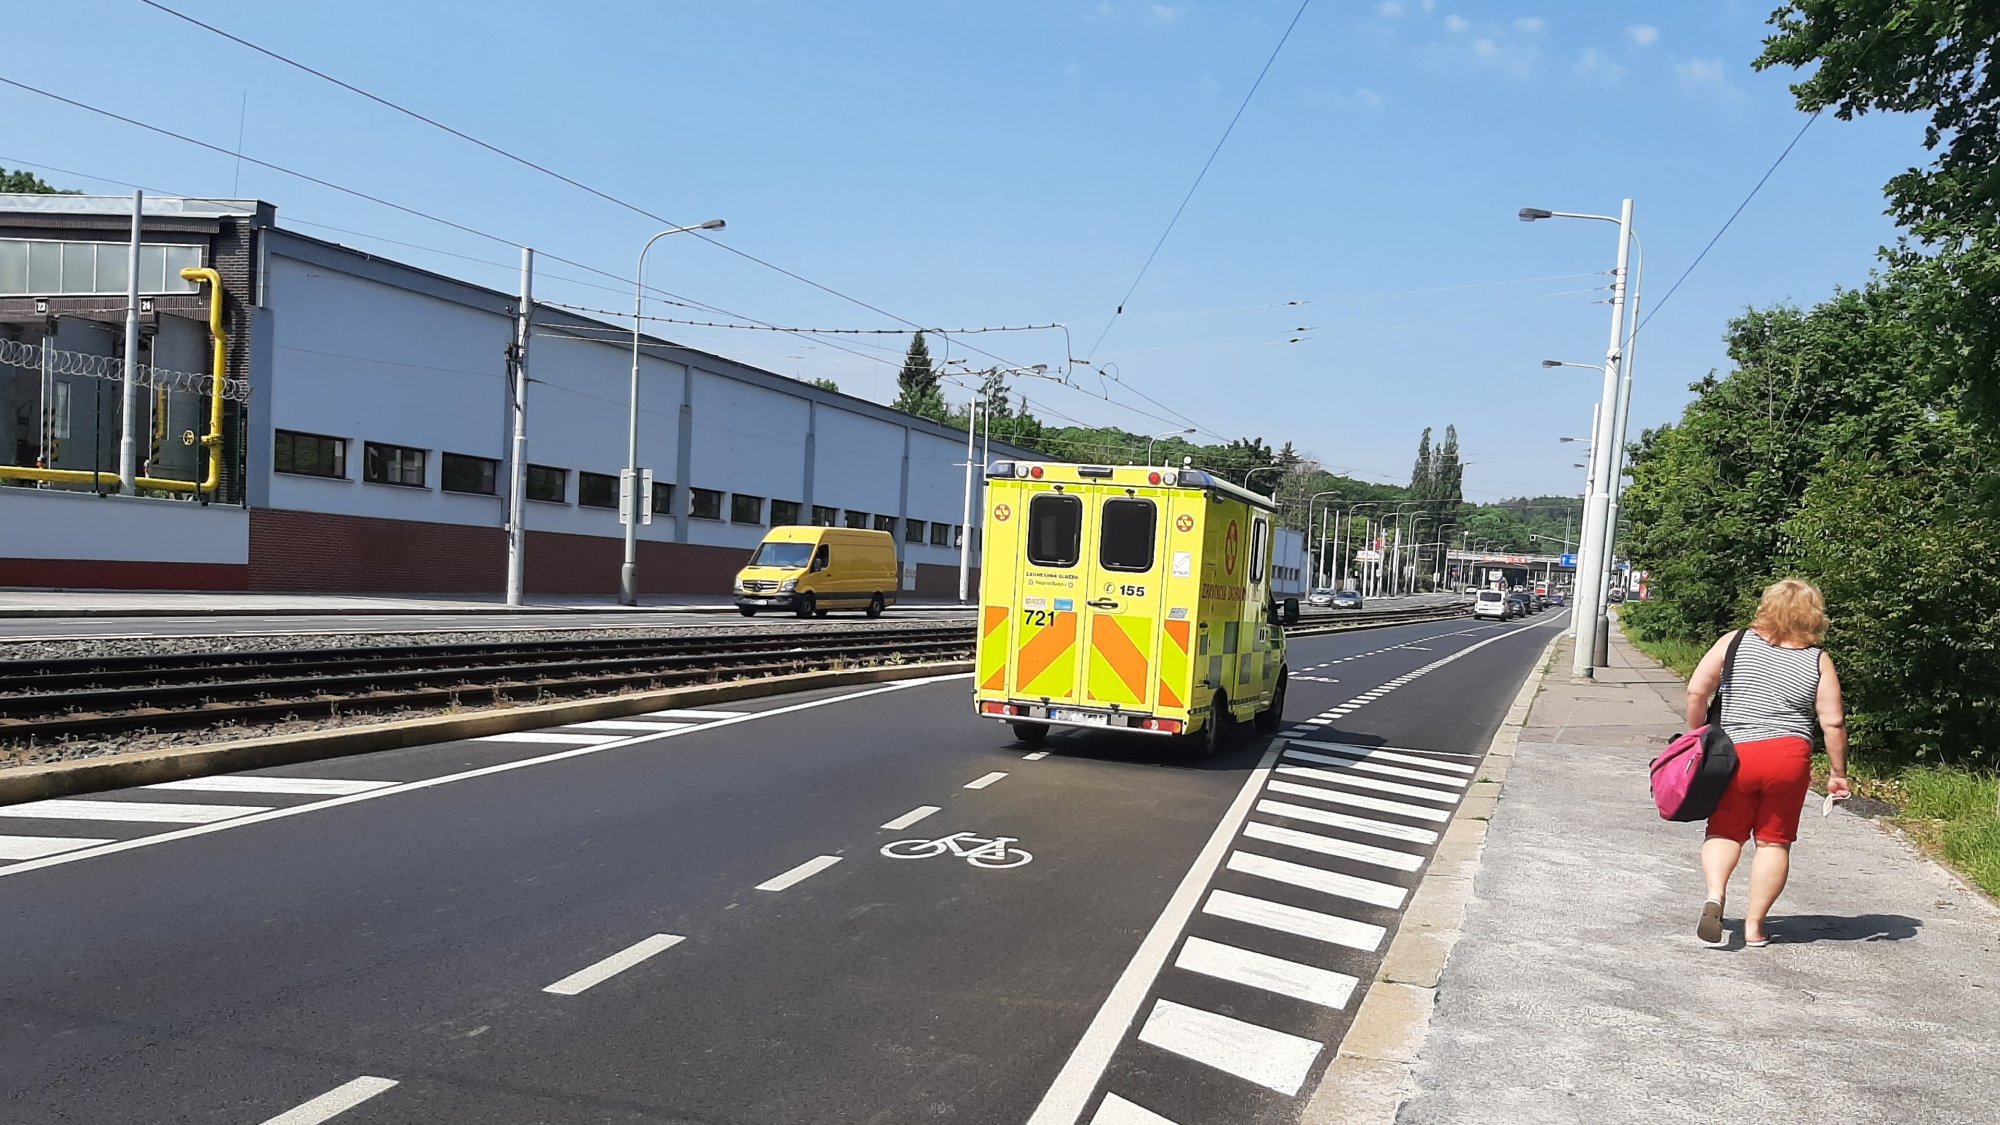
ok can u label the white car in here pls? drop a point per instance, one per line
(1492, 603)
(1320, 598)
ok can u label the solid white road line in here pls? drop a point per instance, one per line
(334, 1102)
(701, 716)
(911, 817)
(1035, 757)
(1333, 846)
(253, 783)
(1261, 970)
(613, 965)
(1294, 920)
(1351, 823)
(1313, 879)
(1114, 1110)
(551, 736)
(1071, 1090)
(1359, 781)
(129, 810)
(1356, 800)
(625, 724)
(1369, 765)
(35, 847)
(1380, 754)
(798, 874)
(1269, 1058)
(983, 782)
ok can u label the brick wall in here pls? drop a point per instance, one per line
(111, 574)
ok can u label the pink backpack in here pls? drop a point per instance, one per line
(1690, 775)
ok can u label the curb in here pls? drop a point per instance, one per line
(147, 767)
(1370, 1078)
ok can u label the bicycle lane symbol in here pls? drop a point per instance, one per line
(995, 853)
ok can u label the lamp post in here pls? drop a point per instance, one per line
(1156, 437)
(628, 574)
(1340, 542)
(971, 427)
(1319, 571)
(1596, 530)
(1259, 469)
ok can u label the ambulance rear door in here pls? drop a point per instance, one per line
(1125, 590)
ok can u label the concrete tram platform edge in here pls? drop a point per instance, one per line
(148, 767)
(1371, 1076)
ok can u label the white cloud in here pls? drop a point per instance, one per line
(1486, 48)
(1701, 72)
(1642, 33)
(1392, 9)
(1165, 13)
(1429, 5)
(1455, 23)
(1528, 25)
(1596, 70)
(1361, 98)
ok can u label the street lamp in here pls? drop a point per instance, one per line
(1156, 437)
(628, 574)
(1597, 526)
(1260, 469)
(971, 428)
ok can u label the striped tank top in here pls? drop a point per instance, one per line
(1771, 691)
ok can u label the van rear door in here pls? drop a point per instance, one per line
(1124, 590)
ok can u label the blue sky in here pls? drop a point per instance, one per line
(964, 163)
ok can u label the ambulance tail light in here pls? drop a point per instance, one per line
(1163, 726)
(1153, 478)
(1001, 709)
(1034, 471)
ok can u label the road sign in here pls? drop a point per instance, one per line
(626, 494)
(1367, 556)
(1567, 562)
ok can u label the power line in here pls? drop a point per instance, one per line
(1759, 186)
(1199, 176)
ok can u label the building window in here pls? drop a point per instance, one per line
(392, 464)
(784, 513)
(463, 473)
(1055, 530)
(1125, 535)
(704, 503)
(597, 490)
(857, 520)
(311, 455)
(548, 485)
(913, 531)
(886, 523)
(824, 516)
(941, 534)
(59, 406)
(663, 499)
(45, 268)
(746, 509)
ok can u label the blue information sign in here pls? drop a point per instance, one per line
(1568, 562)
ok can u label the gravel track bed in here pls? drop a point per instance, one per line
(153, 646)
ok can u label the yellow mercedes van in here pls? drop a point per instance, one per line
(814, 570)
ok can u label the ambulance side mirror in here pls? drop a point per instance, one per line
(1291, 612)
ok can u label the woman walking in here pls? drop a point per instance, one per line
(1780, 683)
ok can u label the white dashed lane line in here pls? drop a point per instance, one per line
(799, 874)
(613, 965)
(983, 782)
(334, 1102)
(911, 817)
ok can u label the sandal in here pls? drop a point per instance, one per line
(1709, 929)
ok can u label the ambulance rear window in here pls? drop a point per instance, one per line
(1126, 537)
(1055, 530)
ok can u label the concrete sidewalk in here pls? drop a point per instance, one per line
(1576, 991)
(143, 603)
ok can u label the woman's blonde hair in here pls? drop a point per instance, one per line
(1792, 612)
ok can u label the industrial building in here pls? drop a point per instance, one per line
(363, 441)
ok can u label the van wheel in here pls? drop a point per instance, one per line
(1030, 733)
(1208, 741)
(875, 606)
(808, 606)
(747, 610)
(1273, 717)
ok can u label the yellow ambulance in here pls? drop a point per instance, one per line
(1130, 599)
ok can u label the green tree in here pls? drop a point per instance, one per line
(1420, 476)
(918, 389)
(825, 384)
(28, 183)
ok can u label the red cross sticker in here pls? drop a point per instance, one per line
(1185, 523)
(1232, 543)
(1002, 513)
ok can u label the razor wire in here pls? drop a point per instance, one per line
(112, 370)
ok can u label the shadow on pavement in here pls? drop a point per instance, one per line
(1802, 929)
(1244, 751)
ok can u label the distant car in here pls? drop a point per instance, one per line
(1523, 601)
(1615, 595)
(1347, 599)
(1320, 598)
(1556, 597)
(1492, 603)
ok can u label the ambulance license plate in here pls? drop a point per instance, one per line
(1087, 718)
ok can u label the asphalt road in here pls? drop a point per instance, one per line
(696, 922)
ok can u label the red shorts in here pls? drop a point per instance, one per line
(1768, 793)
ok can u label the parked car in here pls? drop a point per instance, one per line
(1347, 599)
(1323, 598)
(1492, 603)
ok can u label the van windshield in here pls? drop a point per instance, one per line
(790, 555)
(1489, 595)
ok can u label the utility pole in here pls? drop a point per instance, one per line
(965, 539)
(517, 466)
(128, 430)
(1591, 570)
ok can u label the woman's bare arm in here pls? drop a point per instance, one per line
(1833, 724)
(1707, 677)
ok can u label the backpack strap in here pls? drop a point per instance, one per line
(1728, 665)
